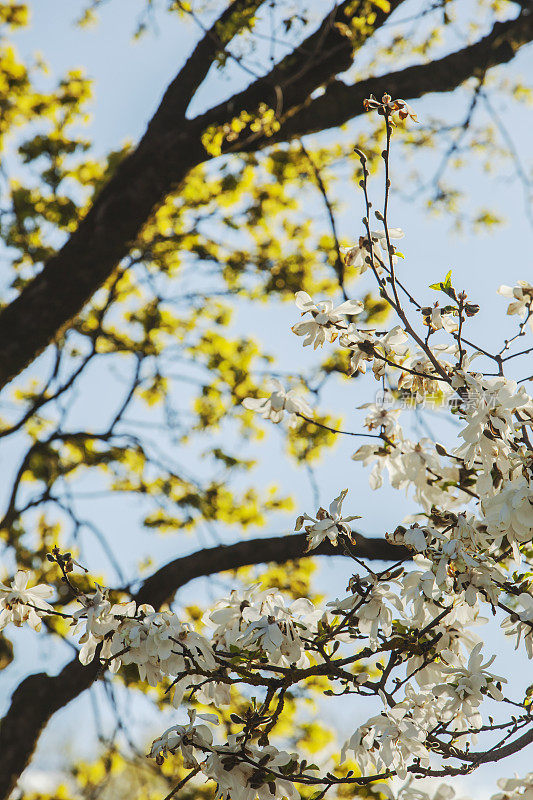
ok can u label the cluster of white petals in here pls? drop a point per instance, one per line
(409, 465)
(466, 687)
(191, 740)
(20, 603)
(410, 791)
(382, 418)
(327, 320)
(439, 319)
(390, 740)
(328, 524)
(237, 779)
(370, 603)
(509, 513)
(522, 299)
(158, 643)
(511, 789)
(521, 623)
(380, 350)
(273, 407)
(515, 788)
(261, 622)
(362, 254)
(490, 432)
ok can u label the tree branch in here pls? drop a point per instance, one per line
(314, 63)
(165, 156)
(181, 91)
(38, 697)
(163, 584)
(169, 150)
(342, 102)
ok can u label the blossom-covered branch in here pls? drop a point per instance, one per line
(404, 636)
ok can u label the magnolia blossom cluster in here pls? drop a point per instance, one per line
(511, 789)
(326, 320)
(265, 629)
(238, 779)
(477, 504)
(412, 466)
(156, 642)
(263, 623)
(404, 636)
(392, 739)
(190, 740)
(223, 763)
(494, 426)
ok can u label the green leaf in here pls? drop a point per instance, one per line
(445, 286)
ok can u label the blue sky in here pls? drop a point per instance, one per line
(129, 78)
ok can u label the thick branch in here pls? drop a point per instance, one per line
(33, 703)
(325, 53)
(342, 102)
(164, 158)
(181, 91)
(46, 306)
(162, 585)
(168, 151)
(39, 696)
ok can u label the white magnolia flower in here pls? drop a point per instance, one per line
(273, 407)
(362, 345)
(278, 628)
(327, 320)
(515, 788)
(374, 454)
(327, 524)
(100, 620)
(19, 603)
(522, 625)
(424, 601)
(265, 623)
(423, 379)
(186, 738)
(415, 538)
(95, 614)
(381, 417)
(420, 587)
(413, 466)
(467, 685)
(462, 551)
(489, 435)
(411, 792)
(240, 780)
(509, 513)
(393, 347)
(226, 614)
(357, 255)
(370, 603)
(160, 644)
(157, 643)
(441, 320)
(391, 740)
(522, 297)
